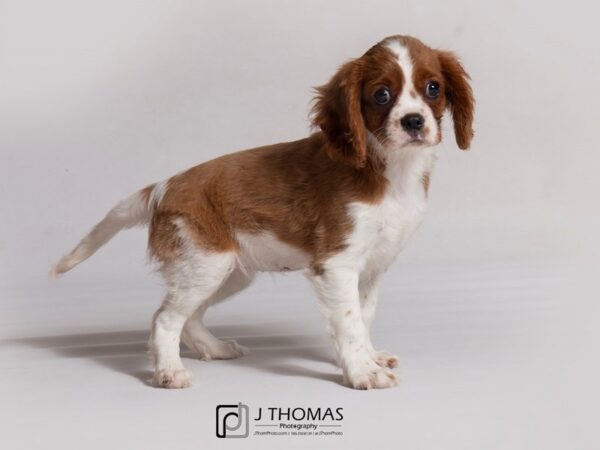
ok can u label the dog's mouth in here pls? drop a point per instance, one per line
(415, 138)
(415, 141)
(407, 140)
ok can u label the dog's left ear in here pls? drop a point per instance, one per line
(337, 112)
(459, 96)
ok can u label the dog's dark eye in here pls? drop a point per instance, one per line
(432, 90)
(382, 96)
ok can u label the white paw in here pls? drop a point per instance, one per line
(228, 350)
(172, 379)
(219, 350)
(375, 377)
(385, 359)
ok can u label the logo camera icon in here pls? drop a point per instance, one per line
(233, 421)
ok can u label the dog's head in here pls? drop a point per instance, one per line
(394, 96)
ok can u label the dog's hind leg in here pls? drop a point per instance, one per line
(199, 339)
(191, 280)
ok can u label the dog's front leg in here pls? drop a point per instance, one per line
(368, 301)
(338, 293)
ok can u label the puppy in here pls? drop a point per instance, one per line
(338, 205)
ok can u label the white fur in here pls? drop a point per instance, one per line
(132, 211)
(409, 104)
(263, 252)
(158, 192)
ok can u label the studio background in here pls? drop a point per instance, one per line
(492, 307)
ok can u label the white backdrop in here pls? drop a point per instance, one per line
(492, 307)
(97, 99)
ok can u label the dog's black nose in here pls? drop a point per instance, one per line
(412, 123)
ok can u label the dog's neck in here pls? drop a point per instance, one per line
(406, 167)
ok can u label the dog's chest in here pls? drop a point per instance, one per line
(381, 230)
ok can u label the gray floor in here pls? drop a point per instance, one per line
(494, 356)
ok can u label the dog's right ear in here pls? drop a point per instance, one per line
(337, 112)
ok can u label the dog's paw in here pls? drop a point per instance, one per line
(385, 359)
(221, 350)
(373, 378)
(227, 350)
(172, 379)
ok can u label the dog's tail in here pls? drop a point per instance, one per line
(136, 209)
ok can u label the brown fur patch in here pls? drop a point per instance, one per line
(294, 190)
(460, 98)
(317, 269)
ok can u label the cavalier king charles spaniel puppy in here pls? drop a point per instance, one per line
(337, 205)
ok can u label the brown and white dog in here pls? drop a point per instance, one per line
(338, 204)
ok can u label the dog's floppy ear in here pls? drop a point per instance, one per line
(337, 112)
(459, 97)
